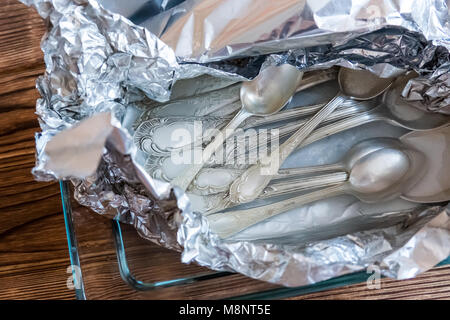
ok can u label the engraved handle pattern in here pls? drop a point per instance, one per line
(155, 168)
(184, 180)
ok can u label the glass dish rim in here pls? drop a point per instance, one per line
(138, 285)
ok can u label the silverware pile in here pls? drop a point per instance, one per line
(251, 117)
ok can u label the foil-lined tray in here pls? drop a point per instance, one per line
(103, 71)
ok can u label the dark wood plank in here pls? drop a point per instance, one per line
(33, 246)
(34, 261)
(434, 284)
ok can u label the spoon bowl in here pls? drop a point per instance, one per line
(271, 90)
(380, 168)
(434, 185)
(361, 84)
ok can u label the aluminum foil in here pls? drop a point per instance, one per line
(211, 30)
(431, 93)
(102, 70)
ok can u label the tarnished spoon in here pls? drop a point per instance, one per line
(354, 84)
(394, 110)
(380, 169)
(268, 93)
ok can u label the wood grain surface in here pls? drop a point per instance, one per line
(33, 248)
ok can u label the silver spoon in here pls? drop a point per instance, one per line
(218, 202)
(266, 94)
(380, 169)
(393, 110)
(434, 186)
(354, 84)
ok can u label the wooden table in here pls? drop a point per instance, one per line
(33, 248)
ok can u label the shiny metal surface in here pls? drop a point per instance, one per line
(379, 170)
(357, 84)
(267, 94)
(215, 29)
(362, 85)
(434, 185)
(270, 90)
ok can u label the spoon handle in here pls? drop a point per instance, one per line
(342, 125)
(258, 176)
(293, 172)
(227, 224)
(294, 185)
(282, 115)
(213, 203)
(302, 133)
(184, 180)
(290, 128)
(217, 180)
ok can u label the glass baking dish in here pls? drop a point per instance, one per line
(152, 272)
